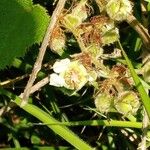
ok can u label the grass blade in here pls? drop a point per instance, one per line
(144, 97)
(62, 131)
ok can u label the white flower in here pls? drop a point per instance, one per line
(75, 76)
(71, 75)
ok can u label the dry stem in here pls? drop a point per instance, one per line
(39, 85)
(38, 63)
(13, 81)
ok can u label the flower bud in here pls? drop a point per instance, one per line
(118, 10)
(71, 22)
(94, 51)
(77, 16)
(80, 10)
(110, 35)
(127, 103)
(57, 41)
(104, 103)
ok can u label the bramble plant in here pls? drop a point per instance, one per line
(94, 34)
(85, 63)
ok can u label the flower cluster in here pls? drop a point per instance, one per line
(116, 93)
(113, 85)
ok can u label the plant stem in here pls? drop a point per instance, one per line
(106, 123)
(79, 40)
(38, 63)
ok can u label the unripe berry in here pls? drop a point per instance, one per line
(104, 103)
(118, 10)
(127, 103)
(58, 41)
(76, 17)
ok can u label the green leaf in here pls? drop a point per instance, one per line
(22, 24)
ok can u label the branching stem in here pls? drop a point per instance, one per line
(38, 63)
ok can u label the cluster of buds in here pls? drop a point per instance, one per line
(117, 10)
(125, 103)
(116, 93)
(87, 67)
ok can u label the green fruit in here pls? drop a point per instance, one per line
(127, 103)
(104, 103)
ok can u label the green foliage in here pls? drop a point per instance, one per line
(21, 25)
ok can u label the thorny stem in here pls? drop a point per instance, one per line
(38, 63)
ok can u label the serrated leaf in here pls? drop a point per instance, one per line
(22, 24)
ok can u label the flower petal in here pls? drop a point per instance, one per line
(56, 80)
(61, 66)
